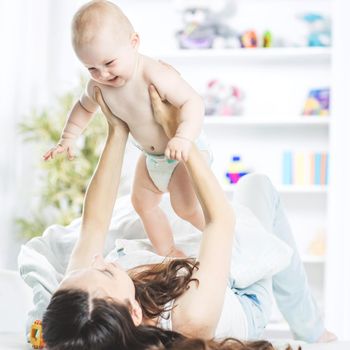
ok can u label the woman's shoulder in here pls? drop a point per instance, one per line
(232, 321)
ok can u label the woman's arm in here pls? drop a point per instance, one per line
(199, 308)
(101, 193)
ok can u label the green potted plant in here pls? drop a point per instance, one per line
(61, 183)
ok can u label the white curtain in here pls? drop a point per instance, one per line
(338, 255)
(37, 63)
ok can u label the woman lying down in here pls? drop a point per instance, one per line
(179, 303)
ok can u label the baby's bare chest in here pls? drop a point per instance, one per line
(131, 104)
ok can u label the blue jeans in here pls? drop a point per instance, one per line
(289, 287)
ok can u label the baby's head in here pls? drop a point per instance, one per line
(105, 42)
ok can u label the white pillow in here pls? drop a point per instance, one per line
(256, 253)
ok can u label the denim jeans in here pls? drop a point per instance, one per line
(289, 287)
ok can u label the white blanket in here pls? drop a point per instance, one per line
(43, 260)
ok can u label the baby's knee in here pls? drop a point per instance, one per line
(187, 212)
(144, 202)
(256, 180)
(136, 203)
(139, 205)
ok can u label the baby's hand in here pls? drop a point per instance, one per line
(59, 148)
(178, 148)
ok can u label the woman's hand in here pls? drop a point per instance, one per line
(165, 114)
(113, 121)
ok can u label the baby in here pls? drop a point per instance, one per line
(107, 45)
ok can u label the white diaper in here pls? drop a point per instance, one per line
(160, 168)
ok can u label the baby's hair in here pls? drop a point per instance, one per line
(97, 14)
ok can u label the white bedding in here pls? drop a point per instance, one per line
(43, 260)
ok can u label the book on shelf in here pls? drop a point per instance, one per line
(317, 103)
(305, 168)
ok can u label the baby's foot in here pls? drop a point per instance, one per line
(327, 337)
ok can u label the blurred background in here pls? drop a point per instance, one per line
(275, 79)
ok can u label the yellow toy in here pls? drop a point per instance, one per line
(36, 335)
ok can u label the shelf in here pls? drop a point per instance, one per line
(311, 259)
(289, 189)
(302, 54)
(266, 121)
(321, 189)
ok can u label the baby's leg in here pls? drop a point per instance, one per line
(145, 199)
(183, 198)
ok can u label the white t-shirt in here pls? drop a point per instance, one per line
(232, 322)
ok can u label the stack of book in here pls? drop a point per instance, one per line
(301, 168)
(317, 102)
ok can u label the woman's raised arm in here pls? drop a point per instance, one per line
(102, 191)
(199, 308)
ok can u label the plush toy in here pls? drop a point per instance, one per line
(319, 29)
(205, 28)
(223, 99)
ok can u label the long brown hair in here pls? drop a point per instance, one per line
(73, 321)
(156, 286)
(226, 344)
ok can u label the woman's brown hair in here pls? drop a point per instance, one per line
(74, 322)
(161, 283)
(226, 344)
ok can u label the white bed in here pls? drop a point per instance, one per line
(15, 302)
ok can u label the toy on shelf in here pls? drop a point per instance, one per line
(319, 29)
(205, 28)
(267, 39)
(317, 102)
(249, 39)
(317, 246)
(236, 170)
(223, 99)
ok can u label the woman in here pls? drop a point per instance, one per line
(174, 305)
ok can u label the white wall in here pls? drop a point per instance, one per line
(338, 257)
(36, 63)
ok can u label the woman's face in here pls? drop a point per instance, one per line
(102, 280)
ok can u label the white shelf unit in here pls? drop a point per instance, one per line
(265, 131)
(276, 82)
(297, 54)
(289, 189)
(266, 121)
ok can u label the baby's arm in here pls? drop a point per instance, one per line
(179, 93)
(77, 120)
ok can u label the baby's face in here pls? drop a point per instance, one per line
(110, 61)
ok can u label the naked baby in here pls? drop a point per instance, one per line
(105, 42)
